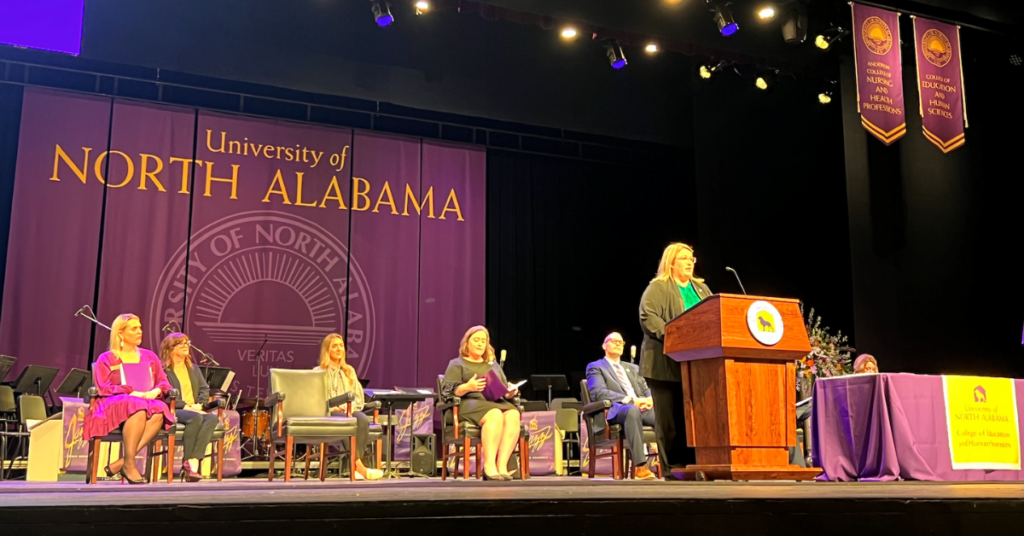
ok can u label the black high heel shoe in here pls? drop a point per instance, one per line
(110, 473)
(129, 481)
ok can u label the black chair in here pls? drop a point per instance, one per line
(596, 416)
(9, 420)
(179, 436)
(306, 419)
(93, 460)
(465, 437)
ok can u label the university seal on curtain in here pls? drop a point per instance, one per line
(272, 275)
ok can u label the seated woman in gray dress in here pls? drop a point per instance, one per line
(498, 421)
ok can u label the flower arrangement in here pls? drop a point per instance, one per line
(830, 354)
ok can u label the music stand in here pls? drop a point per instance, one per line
(6, 364)
(216, 376)
(75, 382)
(553, 382)
(37, 379)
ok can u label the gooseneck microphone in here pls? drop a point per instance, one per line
(501, 362)
(737, 279)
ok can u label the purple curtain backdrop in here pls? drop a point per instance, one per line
(385, 243)
(55, 226)
(452, 256)
(238, 229)
(270, 263)
(150, 147)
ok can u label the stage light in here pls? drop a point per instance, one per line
(1015, 60)
(382, 14)
(707, 72)
(766, 13)
(568, 33)
(422, 7)
(828, 37)
(825, 96)
(651, 48)
(794, 22)
(615, 55)
(723, 18)
(766, 79)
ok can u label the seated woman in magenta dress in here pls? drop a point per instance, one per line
(132, 384)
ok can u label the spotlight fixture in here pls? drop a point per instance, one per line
(568, 33)
(422, 7)
(766, 12)
(1015, 60)
(766, 79)
(651, 48)
(615, 55)
(825, 96)
(829, 36)
(707, 72)
(382, 14)
(794, 22)
(723, 17)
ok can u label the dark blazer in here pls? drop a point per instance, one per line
(603, 384)
(200, 389)
(660, 304)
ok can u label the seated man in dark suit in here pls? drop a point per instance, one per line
(632, 407)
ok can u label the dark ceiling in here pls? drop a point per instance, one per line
(690, 21)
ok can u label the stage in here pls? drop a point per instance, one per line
(565, 505)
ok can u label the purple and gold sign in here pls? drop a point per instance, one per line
(876, 35)
(940, 83)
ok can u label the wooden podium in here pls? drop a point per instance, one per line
(739, 394)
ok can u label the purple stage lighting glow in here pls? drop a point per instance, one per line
(384, 20)
(618, 64)
(730, 29)
(46, 24)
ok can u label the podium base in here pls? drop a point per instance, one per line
(746, 472)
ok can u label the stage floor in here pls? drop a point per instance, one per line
(565, 505)
(250, 491)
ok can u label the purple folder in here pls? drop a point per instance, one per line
(137, 375)
(495, 389)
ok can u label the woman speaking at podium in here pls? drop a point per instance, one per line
(131, 384)
(673, 290)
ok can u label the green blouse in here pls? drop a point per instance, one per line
(690, 297)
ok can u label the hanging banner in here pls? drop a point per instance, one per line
(876, 48)
(981, 417)
(940, 82)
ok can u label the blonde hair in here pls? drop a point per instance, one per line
(668, 257)
(325, 360)
(863, 360)
(116, 328)
(464, 345)
(167, 349)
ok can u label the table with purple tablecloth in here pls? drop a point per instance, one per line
(883, 427)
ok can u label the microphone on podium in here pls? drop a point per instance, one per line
(78, 312)
(501, 362)
(167, 327)
(632, 354)
(737, 279)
